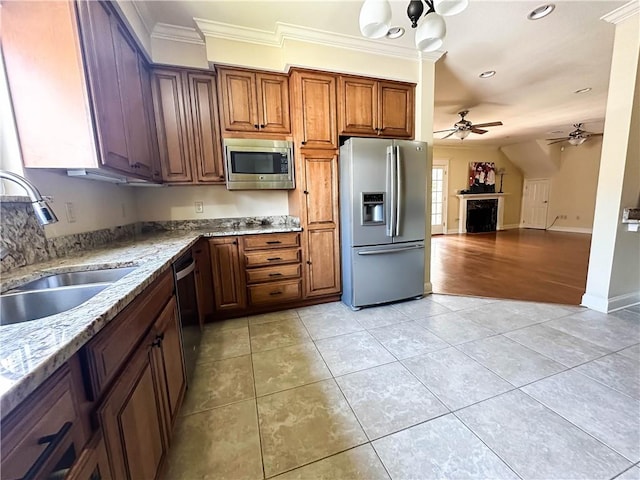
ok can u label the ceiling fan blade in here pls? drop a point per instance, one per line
(448, 135)
(477, 130)
(593, 134)
(490, 124)
(446, 130)
(557, 141)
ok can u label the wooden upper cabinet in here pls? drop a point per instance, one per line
(83, 53)
(313, 98)
(370, 107)
(205, 128)
(186, 110)
(115, 80)
(254, 101)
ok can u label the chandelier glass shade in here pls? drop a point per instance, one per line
(375, 20)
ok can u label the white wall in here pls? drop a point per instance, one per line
(177, 203)
(573, 187)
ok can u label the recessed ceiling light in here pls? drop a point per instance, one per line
(541, 11)
(395, 32)
(583, 90)
(487, 74)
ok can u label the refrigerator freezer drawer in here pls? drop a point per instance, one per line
(385, 274)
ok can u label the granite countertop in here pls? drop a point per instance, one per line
(31, 351)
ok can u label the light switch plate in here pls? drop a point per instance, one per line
(199, 207)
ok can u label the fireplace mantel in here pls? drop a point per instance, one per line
(465, 197)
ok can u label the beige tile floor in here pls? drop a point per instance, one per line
(443, 387)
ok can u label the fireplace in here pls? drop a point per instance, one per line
(485, 217)
(482, 216)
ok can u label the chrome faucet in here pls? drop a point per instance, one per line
(43, 211)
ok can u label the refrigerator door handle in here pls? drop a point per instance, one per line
(391, 250)
(391, 182)
(398, 191)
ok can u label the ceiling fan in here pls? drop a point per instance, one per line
(463, 128)
(577, 137)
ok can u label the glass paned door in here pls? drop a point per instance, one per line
(438, 199)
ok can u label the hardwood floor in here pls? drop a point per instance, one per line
(535, 265)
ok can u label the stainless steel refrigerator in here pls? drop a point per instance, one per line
(382, 206)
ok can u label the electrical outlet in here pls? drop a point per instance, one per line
(199, 207)
(71, 212)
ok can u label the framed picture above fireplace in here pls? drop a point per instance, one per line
(482, 177)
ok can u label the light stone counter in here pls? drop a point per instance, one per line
(31, 351)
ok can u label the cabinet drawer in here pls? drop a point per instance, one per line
(271, 240)
(274, 257)
(106, 353)
(48, 419)
(277, 292)
(269, 274)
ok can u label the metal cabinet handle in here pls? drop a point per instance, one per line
(275, 293)
(275, 274)
(157, 342)
(262, 125)
(273, 242)
(256, 126)
(54, 441)
(273, 259)
(306, 192)
(304, 142)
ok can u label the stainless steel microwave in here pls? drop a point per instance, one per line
(259, 164)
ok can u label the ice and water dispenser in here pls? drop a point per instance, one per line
(373, 208)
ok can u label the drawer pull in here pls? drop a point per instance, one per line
(278, 292)
(54, 441)
(275, 274)
(158, 340)
(273, 242)
(273, 259)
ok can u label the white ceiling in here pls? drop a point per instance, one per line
(539, 63)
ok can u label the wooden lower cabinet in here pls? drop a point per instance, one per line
(133, 419)
(93, 462)
(323, 272)
(168, 346)
(228, 285)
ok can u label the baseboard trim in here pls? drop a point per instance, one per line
(572, 229)
(607, 305)
(428, 288)
(511, 226)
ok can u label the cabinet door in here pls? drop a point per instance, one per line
(132, 418)
(136, 122)
(96, 21)
(322, 265)
(314, 98)
(358, 100)
(169, 343)
(93, 463)
(170, 110)
(239, 100)
(205, 128)
(145, 73)
(204, 284)
(273, 105)
(396, 109)
(228, 284)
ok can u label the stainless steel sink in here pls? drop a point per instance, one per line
(76, 278)
(30, 305)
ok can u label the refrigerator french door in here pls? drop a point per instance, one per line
(383, 218)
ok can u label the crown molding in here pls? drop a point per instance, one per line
(176, 33)
(622, 13)
(285, 31)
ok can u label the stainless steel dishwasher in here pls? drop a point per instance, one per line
(191, 320)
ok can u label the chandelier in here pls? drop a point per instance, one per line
(375, 20)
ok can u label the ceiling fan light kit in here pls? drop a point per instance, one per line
(463, 127)
(375, 20)
(577, 140)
